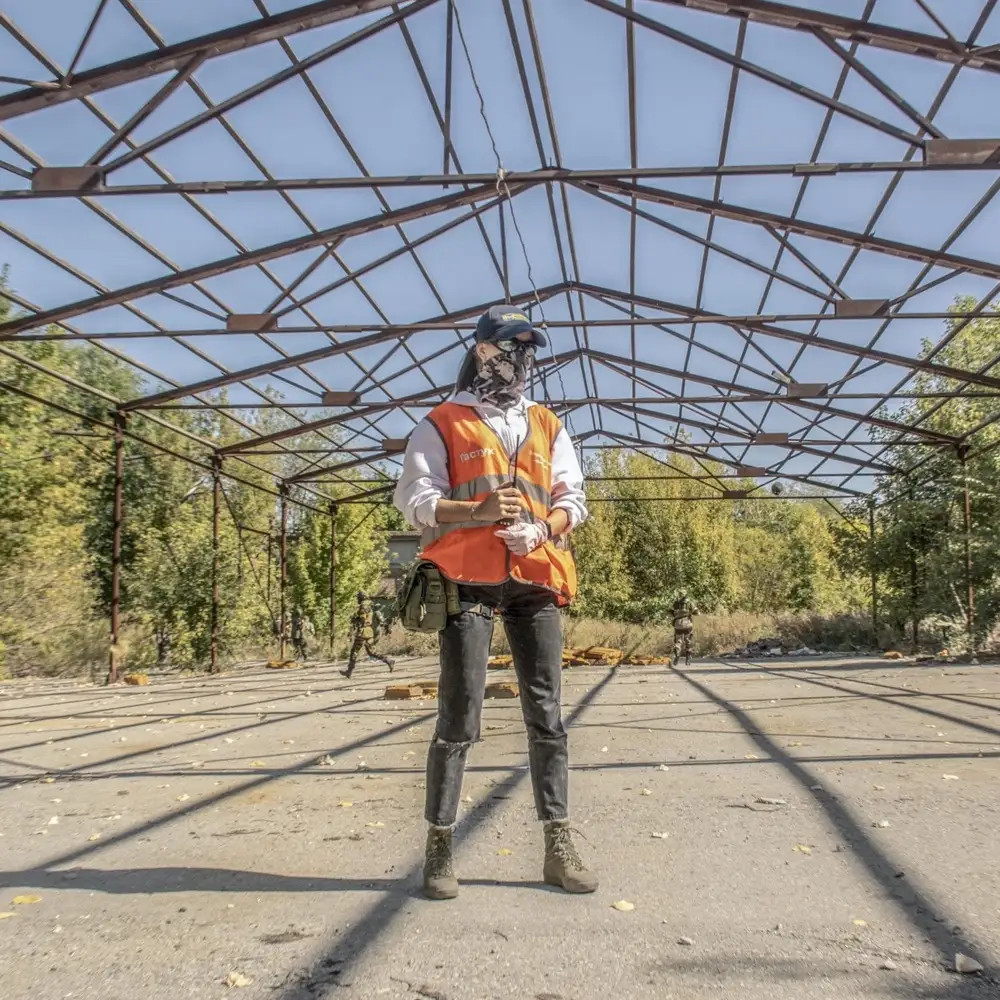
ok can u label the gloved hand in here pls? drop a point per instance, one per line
(523, 537)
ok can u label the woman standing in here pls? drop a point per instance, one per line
(492, 479)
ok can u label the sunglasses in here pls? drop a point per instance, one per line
(515, 347)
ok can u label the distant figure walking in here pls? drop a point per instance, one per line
(683, 612)
(367, 627)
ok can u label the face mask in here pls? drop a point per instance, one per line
(501, 379)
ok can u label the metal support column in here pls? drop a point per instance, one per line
(333, 580)
(216, 498)
(116, 544)
(284, 569)
(970, 588)
(872, 559)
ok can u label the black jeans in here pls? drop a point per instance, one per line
(533, 624)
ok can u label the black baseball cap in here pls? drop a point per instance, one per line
(505, 322)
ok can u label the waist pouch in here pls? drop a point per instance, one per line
(426, 599)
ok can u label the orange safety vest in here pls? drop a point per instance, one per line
(469, 552)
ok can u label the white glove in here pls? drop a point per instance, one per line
(523, 537)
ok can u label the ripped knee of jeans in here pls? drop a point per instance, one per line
(450, 747)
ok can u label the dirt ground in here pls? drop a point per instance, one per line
(266, 827)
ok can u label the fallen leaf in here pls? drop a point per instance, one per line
(951, 777)
(604, 749)
(505, 852)
(882, 824)
(624, 905)
(879, 788)
(377, 823)
(5, 916)
(645, 791)
(238, 979)
(860, 923)
(802, 849)
(48, 781)
(660, 836)
(25, 900)
(345, 804)
(686, 941)
(94, 836)
(257, 763)
(751, 756)
(183, 798)
(468, 798)
(663, 767)
(765, 801)
(54, 821)
(967, 966)
(889, 965)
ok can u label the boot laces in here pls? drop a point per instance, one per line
(564, 849)
(439, 854)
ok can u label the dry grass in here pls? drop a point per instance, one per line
(713, 635)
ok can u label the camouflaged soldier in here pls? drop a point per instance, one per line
(367, 628)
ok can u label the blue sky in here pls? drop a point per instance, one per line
(376, 95)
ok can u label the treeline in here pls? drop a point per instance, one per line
(635, 554)
(56, 522)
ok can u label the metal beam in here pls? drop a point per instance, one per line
(817, 230)
(809, 340)
(334, 234)
(882, 36)
(173, 57)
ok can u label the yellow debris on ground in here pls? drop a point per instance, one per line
(582, 656)
(892, 655)
(504, 689)
(646, 661)
(404, 692)
(282, 664)
(138, 680)
(500, 662)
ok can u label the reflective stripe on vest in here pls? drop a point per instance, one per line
(478, 464)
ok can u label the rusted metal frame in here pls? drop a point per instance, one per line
(225, 265)
(709, 380)
(695, 319)
(178, 80)
(676, 400)
(408, 247)
(260, 166)
(126, 231)
(283, 572)
(268, 367)
(542, 160)
(879, 84)
(806, 404)
(797, 447)
(352, 152)
(118, 515)
(305, 477)
(970, 588)
(759, 71)
(633, 149)
(340, 418)
(328, 52)
(803, 186)
(536, 52)
(173, 56)
(132, 436)
(941, 26)
(432, 101)
(864, 32)
(810, 340)
(833, 234)
(333, 579)
(449, 50)
(67, 80)
(734, 80)
(894, 182)
(216, 491)
(705, 242)
(543, 175)
(785, 242)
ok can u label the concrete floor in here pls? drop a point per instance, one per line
(268, 825)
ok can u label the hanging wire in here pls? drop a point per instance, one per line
(503, 192)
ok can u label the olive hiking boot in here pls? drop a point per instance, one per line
(563, 866)
(439, 875)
